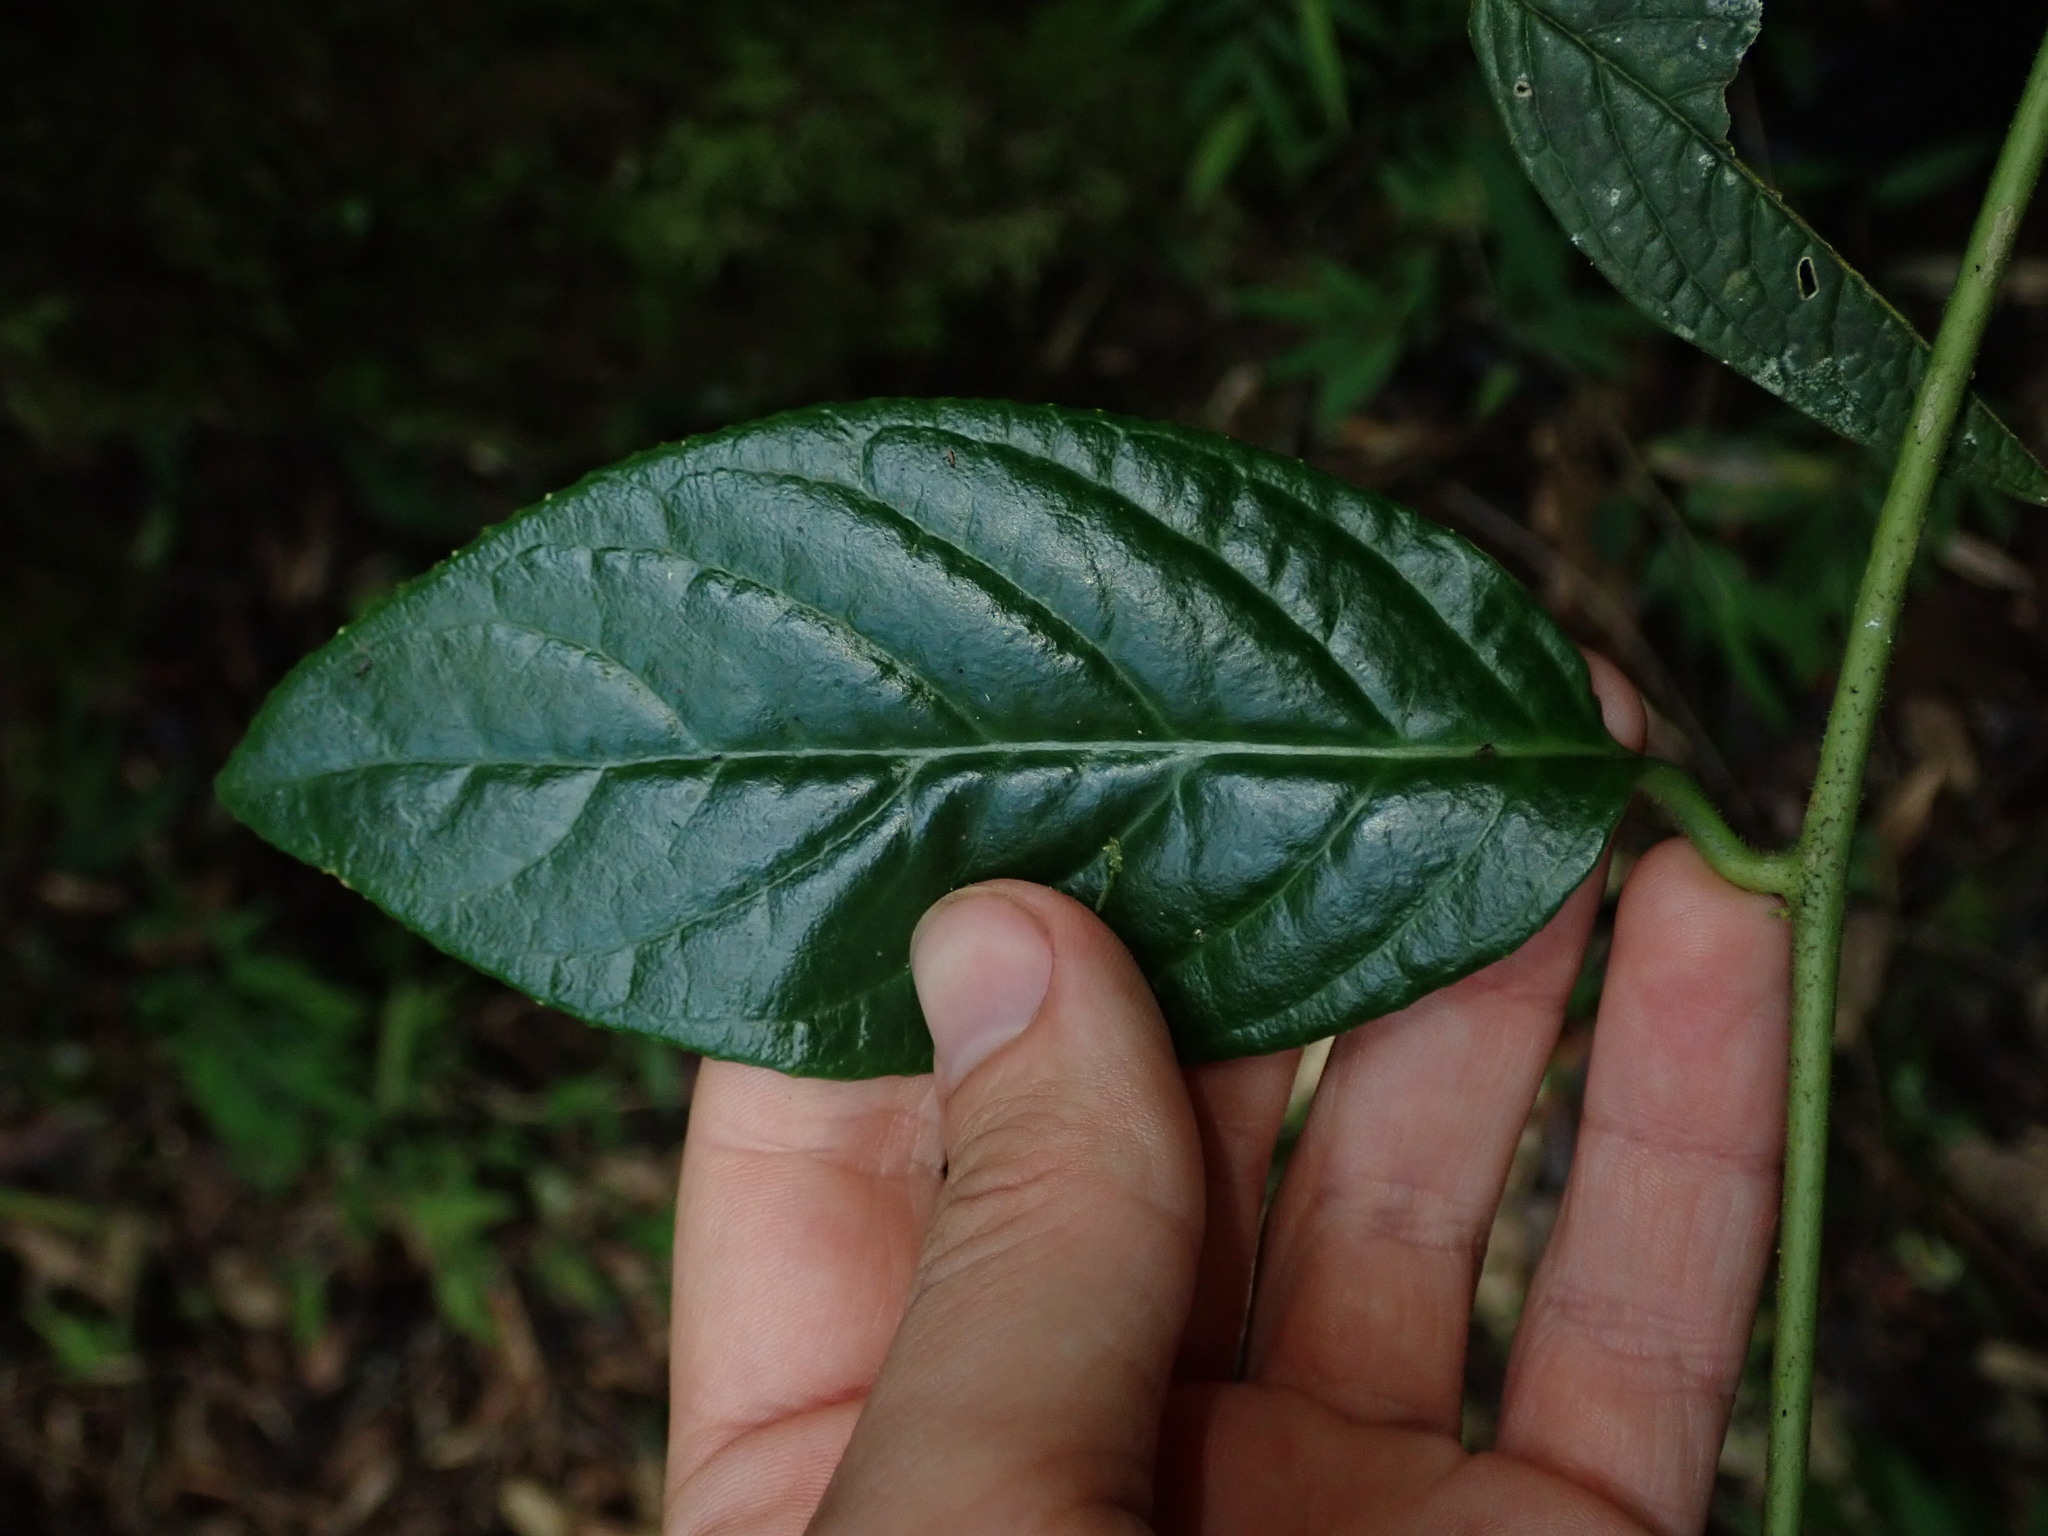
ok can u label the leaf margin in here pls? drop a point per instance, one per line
(230, 784)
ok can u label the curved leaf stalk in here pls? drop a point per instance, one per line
(1824, 845)
(1680, 798)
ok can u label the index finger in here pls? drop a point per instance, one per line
(797, 1229)
(1629, 1350)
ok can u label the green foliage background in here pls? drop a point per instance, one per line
(294, 299)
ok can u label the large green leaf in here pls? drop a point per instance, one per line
(688, 748)
(1617, 110)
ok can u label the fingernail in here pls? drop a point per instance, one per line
(982, 964)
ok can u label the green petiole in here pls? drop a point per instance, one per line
(1680, 798)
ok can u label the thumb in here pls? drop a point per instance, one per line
(1024, 1387)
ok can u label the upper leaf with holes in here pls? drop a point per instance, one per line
(1617, 109)
(690, 747)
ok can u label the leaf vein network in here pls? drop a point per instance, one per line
(1465, 644)
(1231, 576)
(994, 581)
(692, 920)
(1416, 907)
(834, 621)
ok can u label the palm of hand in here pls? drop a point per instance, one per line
(1022, 1309)
(1279, 1463)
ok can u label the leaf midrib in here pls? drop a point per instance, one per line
(1185, 752)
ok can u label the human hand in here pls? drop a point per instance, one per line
(1009, 1298)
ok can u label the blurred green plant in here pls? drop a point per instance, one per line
(538, 231)
(1751, 543)
(1472, 203)
(1898, 1498)
(1422, 218)
(301, 1080)
(1269, 73)
(269, 1052)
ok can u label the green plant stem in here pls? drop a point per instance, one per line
(1824, 846)
(1680, 798)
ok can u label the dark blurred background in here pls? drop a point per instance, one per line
(304, 1228)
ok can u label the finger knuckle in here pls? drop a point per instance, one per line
(1040, 1169)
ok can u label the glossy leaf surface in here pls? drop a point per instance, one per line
(690, 747)
(1617, 110)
